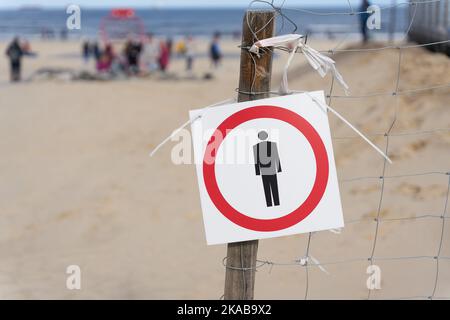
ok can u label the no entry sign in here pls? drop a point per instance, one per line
(265, 169)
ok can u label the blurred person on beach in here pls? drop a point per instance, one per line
(15, 53)
(47, 33)
(169, 45)
(106, 59)
(149, 55)
(103, 64)
(132, 51)
(189, 52)
(180, 48)
(164, 55)
(63, 34)
(95, 50)
(365, 4)
(109, 52)
(85, 51)
(215, 52)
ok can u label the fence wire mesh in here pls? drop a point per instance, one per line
(435, 256)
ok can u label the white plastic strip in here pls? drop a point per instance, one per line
(284, 87)
(320, 62)
(336, 231)
(303, 261)
(275, 42)
(184, 125)
(326, 107)
(317, 263)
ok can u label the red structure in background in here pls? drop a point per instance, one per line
(122, 13)
(121, 23)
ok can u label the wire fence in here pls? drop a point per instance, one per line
(432, 23)
(307, 261)
(418, 18)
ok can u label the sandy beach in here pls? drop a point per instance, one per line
(78, 187)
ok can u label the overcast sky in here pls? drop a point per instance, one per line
(171, 3)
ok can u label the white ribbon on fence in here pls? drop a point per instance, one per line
(321, 63)
(305, 260)
(184, 125)
(337, 114)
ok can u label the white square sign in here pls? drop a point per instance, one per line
(266, 169)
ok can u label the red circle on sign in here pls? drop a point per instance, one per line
(320, 154)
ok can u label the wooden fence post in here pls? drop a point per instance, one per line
(254, 83)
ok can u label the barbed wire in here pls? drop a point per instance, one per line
(306, 260)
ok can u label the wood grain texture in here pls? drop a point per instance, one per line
(255, 76)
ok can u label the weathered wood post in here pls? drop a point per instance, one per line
(254, 83)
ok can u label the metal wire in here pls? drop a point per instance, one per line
(382, 177)
(440, 241)
(365, 50)
(244, 282)
(298, 263)
(398, 134)
(308, 246)
(424, 216)
(310, 234)
(385, 164)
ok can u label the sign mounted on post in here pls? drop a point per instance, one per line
(266, 168)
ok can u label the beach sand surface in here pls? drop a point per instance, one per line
(78, 187)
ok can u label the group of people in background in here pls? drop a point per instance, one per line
(139, 56)
(15, 51)
(146, 54)
(188, 48)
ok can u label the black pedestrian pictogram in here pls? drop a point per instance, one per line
(267, 165)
